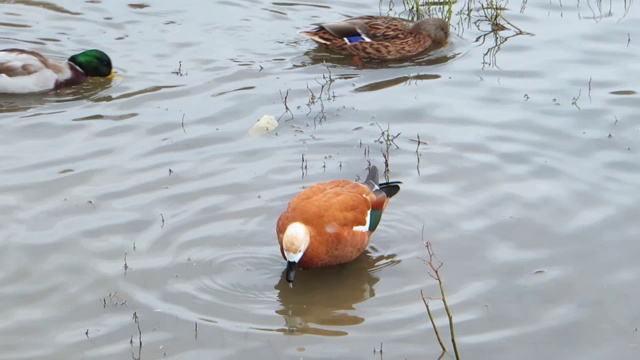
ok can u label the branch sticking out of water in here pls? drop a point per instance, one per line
(433, 268)
(325, 88)
(284, 99)
(136, 319)
(179, 71)
(303, 167)
(389, 140)
(425, 300)
(418, 155)
(574, 102)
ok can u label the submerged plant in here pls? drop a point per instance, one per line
(418, 9)
(486, 16)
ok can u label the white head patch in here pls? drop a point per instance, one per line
(295, 241)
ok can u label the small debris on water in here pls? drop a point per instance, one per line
(265, 124)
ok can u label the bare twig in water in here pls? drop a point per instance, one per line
(367, 152)
(126, 266)
(491, 22)
(433, 267)
(182, 123)
(378, 351)
(418, 155)
(114, 300)
(574, 102)
(196, 331)
(389, 140)
(325, 87)
(312, 99)
(321, 115)
(178, 71)
(492, 12)
(161, 221)
(303, 167)
(385, 156)
(284, 99)
(328, 80)
(425, 300)
(136, 319)
(419, 141)
(386, 137)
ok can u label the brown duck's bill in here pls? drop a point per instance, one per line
(291, 271)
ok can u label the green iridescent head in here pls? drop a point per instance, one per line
(93, 63)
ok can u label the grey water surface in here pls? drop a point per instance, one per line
(144, 195)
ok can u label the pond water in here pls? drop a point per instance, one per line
(144, 198)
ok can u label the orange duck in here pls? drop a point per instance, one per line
(330, 223)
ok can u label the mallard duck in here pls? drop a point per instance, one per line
(330, 223)
(380, 37)
(25, 71)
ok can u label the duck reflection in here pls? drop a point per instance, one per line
(389, 79)
(319, 56)
(88, 90)
(324, 297)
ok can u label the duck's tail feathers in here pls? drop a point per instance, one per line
(373, 182)
(390, 188)
(372, 176)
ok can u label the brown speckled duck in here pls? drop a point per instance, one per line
(380, 37)
(26, 71)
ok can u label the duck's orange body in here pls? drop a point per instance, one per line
(330, 223)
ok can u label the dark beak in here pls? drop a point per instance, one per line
(291, 271)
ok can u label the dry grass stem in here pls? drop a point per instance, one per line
(303, 167)
(433, 321)
(418, 155)
(136, 319)
(434, 272)
(285, 97)
(433, 268)
(389, 140)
